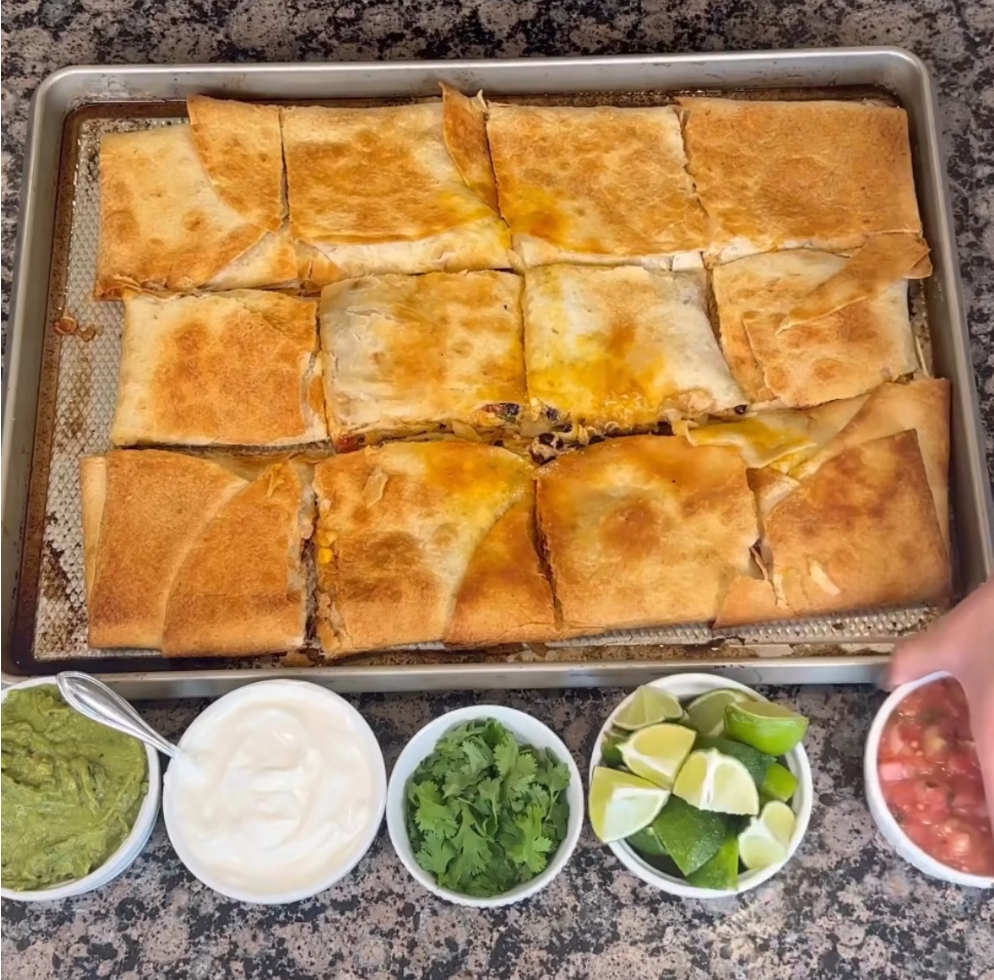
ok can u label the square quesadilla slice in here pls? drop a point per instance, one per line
(787, 174)
(624, 346)
(401, 189)
(595, 185)
(834, 352)
(644, 531)
(412, 354)
(811, 550)
(400, 528)
(240, 368)
(195, 556)
(197, 205)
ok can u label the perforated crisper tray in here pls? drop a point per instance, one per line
(64, 365)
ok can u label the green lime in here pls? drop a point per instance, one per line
(721, 871)
(611, 750)
(706, 714)
(646, 841)
(766, 726)
(767, 837)
(712, 781)
(657, 752)
(691, 836)
(621, 804)
(755, 761)
(779, 783)
(648, 706)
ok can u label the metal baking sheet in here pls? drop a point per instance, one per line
(60, 396)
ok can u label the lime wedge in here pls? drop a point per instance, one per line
(706, 714)
(767, 837)
(712, 781)
(648, 706)
(621, 804)
(778, 784)
(691, 836)
(646, 841)
(755, 761)
(766, 726)
(721, 872)
(657, 752)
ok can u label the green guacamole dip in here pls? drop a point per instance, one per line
(71, 790)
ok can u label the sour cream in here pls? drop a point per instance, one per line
(278, 790)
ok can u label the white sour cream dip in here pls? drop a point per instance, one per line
(278, 790)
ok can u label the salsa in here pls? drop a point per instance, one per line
(931, 779)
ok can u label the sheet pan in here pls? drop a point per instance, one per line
(58, 392)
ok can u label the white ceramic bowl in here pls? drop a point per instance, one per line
(527, 730)
(131, 846)
(882, 816)
(683, 686)
(176, 831)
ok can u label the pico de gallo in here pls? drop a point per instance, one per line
(931, 779)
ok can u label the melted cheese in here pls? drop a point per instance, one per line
(622, 345)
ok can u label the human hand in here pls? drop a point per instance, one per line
(962, 643)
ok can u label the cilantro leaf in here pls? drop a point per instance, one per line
(519, 778)
(505, 756)
(435, 854)
(431, 815)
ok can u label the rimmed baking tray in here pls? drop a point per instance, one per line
(59, 390)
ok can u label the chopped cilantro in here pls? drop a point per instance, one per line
(485, 814)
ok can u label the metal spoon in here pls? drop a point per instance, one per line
(98, 702)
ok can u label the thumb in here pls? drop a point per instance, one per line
(921, 655)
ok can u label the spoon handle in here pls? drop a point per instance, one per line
(98, 702)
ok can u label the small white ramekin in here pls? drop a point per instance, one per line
(176, 831)
(885, 820)
(131, 846)
(525, 729)
(683, 686)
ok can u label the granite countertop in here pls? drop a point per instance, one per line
(847, 906)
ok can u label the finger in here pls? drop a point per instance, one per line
(917, 657)
(982, 724)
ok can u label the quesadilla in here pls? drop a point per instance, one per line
(644, 531)
(399, 534)
(860, 532)
(623, 346)
(798, 331)
(412, 354)
(196, 205)
(818, 521)
(401, 189)
(240, 368)
(782, 175)
(193, 556)
(596, 185)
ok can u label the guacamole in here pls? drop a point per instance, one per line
(71, 790)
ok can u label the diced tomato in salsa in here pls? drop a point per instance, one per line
(931, 780)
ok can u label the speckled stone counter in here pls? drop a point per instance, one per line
(846, 906)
